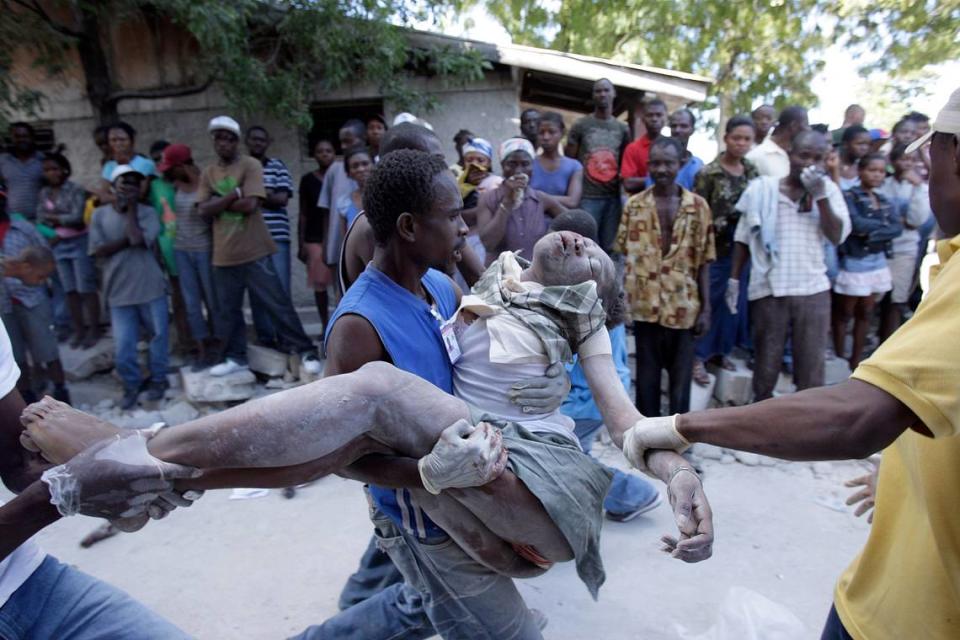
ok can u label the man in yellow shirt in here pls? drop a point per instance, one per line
(906, 581)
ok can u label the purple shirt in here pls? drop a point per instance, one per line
(526, 225)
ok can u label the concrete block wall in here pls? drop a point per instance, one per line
(489, 108)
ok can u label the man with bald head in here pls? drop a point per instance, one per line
(782, 231)
(598, 142)
(854, 115)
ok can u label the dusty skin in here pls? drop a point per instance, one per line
(317, 429)
(293, 446)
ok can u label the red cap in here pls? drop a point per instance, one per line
(174, 156)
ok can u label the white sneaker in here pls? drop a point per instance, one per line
(311, 364)
(226, 367)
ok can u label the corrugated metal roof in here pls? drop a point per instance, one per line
(688, 86)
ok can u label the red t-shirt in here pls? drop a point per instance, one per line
(635, 157)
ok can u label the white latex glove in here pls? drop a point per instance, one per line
(732, 295)
(815, 182)
(544, 394)
(652, 433)
(117, 478)
(464, 456)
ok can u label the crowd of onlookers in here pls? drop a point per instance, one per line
(752, 250)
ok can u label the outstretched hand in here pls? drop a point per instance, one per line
(866, 496)
(693, 517)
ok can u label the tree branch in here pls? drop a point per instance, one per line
(154, 94)
(35, 8)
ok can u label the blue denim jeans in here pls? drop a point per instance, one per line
(375, 573)
(462, 599)
(196, 285)
(59, 602)
(126, 322)
(266, 293)
(607, 212)
(266, 332)
(628, 492)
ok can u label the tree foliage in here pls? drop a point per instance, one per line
(758, 49)
(906, 35)
(270, 57)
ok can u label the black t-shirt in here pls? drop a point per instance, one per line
(316, 226)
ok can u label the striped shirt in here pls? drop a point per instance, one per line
(276, 177)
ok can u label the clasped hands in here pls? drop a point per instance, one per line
(118, 479)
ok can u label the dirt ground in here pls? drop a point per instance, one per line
(268, 567)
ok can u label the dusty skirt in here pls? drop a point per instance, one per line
(570, 484)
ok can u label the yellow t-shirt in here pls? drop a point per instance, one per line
(906, 581)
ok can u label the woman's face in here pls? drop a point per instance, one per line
(516, 163)
(565, 258)
(549, 135)
(53, 173)
(359, 168)
(906, 162)
(872, 175)
(474, 157)
(120, 143)
(739, 141)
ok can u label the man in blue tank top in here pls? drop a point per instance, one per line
(393, 313)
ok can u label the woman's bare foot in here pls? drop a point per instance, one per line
(58, 431)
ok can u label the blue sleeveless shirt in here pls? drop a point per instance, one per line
(409, 329)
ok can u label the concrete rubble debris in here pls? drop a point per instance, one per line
(179, 413)
(269, 362)
(200, 386)
(734, 387)
(80, 364)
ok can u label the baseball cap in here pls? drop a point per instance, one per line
(174, 156)
(122, 170)
(948, 121)
(224, 123)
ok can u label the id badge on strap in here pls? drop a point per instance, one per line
(450, 341)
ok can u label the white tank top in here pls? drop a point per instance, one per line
(484, 385)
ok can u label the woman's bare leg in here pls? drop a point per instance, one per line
(312, 431)
(393, 409)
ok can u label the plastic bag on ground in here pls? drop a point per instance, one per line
(747, 615)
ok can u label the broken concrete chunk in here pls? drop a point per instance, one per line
(179, 413)
(734, 387)
(200, 386)
(80, 364)
(267, 361)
